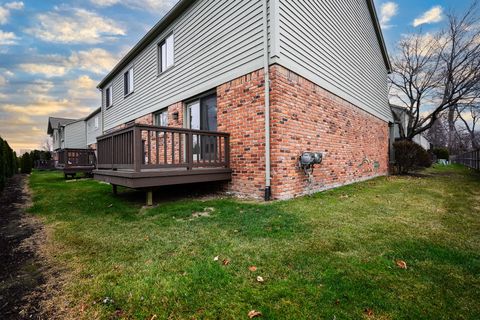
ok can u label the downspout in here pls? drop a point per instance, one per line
(266, 66)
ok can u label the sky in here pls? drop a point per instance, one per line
(54, 53)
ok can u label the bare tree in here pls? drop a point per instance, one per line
(470, 117)
(433, 73)
(47, 144)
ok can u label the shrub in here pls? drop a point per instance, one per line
(409, 155)
(441, 153)
(8, 162)
(26, 163)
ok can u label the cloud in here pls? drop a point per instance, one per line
(43, 107)
(74, 25)
(3, 81)
(433, 15)
(83, 88)
(48, 70)
(161, 6)
(6, 8)
(387, 12)
(96, 60)
(7, 38)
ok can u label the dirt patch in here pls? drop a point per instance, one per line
(25, 278)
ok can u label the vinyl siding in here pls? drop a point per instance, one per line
(333, 44)
(92, 132)
(56, 139)
(75, 135)
(215, 42)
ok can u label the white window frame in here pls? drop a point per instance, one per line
(128, 86)
(166, 53)
(97, 122)
(109, 96)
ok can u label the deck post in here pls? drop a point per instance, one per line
(114, 189)
(137, 149)
(149, 197)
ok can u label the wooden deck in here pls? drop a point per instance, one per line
(142, 156)
(73, 161)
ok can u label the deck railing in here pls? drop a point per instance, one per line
(76, 158)
(470, 159)
(138, 147)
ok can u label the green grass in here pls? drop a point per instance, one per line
(331, 255)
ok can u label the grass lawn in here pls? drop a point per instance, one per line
(329, 256)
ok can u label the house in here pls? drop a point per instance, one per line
(237, 91)
(94, 128)
(74, 142)
(400, 115)
(55, 130)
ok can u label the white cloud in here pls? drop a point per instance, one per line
(433, 15)
(82, 88)
(95, 60)
(159, 6)
(43, 107)
(48, 70)
(6, 8)
(387, 12)
(17, 5)
(3, 81)
(7, 38)
(75, 26)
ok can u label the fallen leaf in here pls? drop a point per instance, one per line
(401, 264)
(368, 312)
(215, 259)
(225, 262)
(254, 313)
(252, 268)
(260, 279)
(153, 317)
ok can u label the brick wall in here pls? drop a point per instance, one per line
(306, 117)
(240, 112)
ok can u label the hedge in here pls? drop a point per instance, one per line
(8, 162)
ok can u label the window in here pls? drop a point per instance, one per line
(96, 122)
(161, 118)
(166, 55)
(128, 81)
(108, 96)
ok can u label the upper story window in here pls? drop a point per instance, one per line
(108, 96)
(128, 82)
(166, 54)
(161, 118)
(96, 122)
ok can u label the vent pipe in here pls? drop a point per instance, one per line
(266, 66)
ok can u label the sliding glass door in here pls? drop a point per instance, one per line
(202, 115)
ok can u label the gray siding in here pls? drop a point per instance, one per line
(333, 44)
(92, 131)
(75, 135)
(215, 42)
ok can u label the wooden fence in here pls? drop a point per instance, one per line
(470, 159)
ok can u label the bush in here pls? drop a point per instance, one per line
(441, 153)
(8, 162)
(409, 155)
(26, 163)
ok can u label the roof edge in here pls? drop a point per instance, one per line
(169, 17)
(378, 31)
(94, 112)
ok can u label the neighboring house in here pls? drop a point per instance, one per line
(94, 128)
(269, 79)
(75, 135)
(401, 117)
(56, 132)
